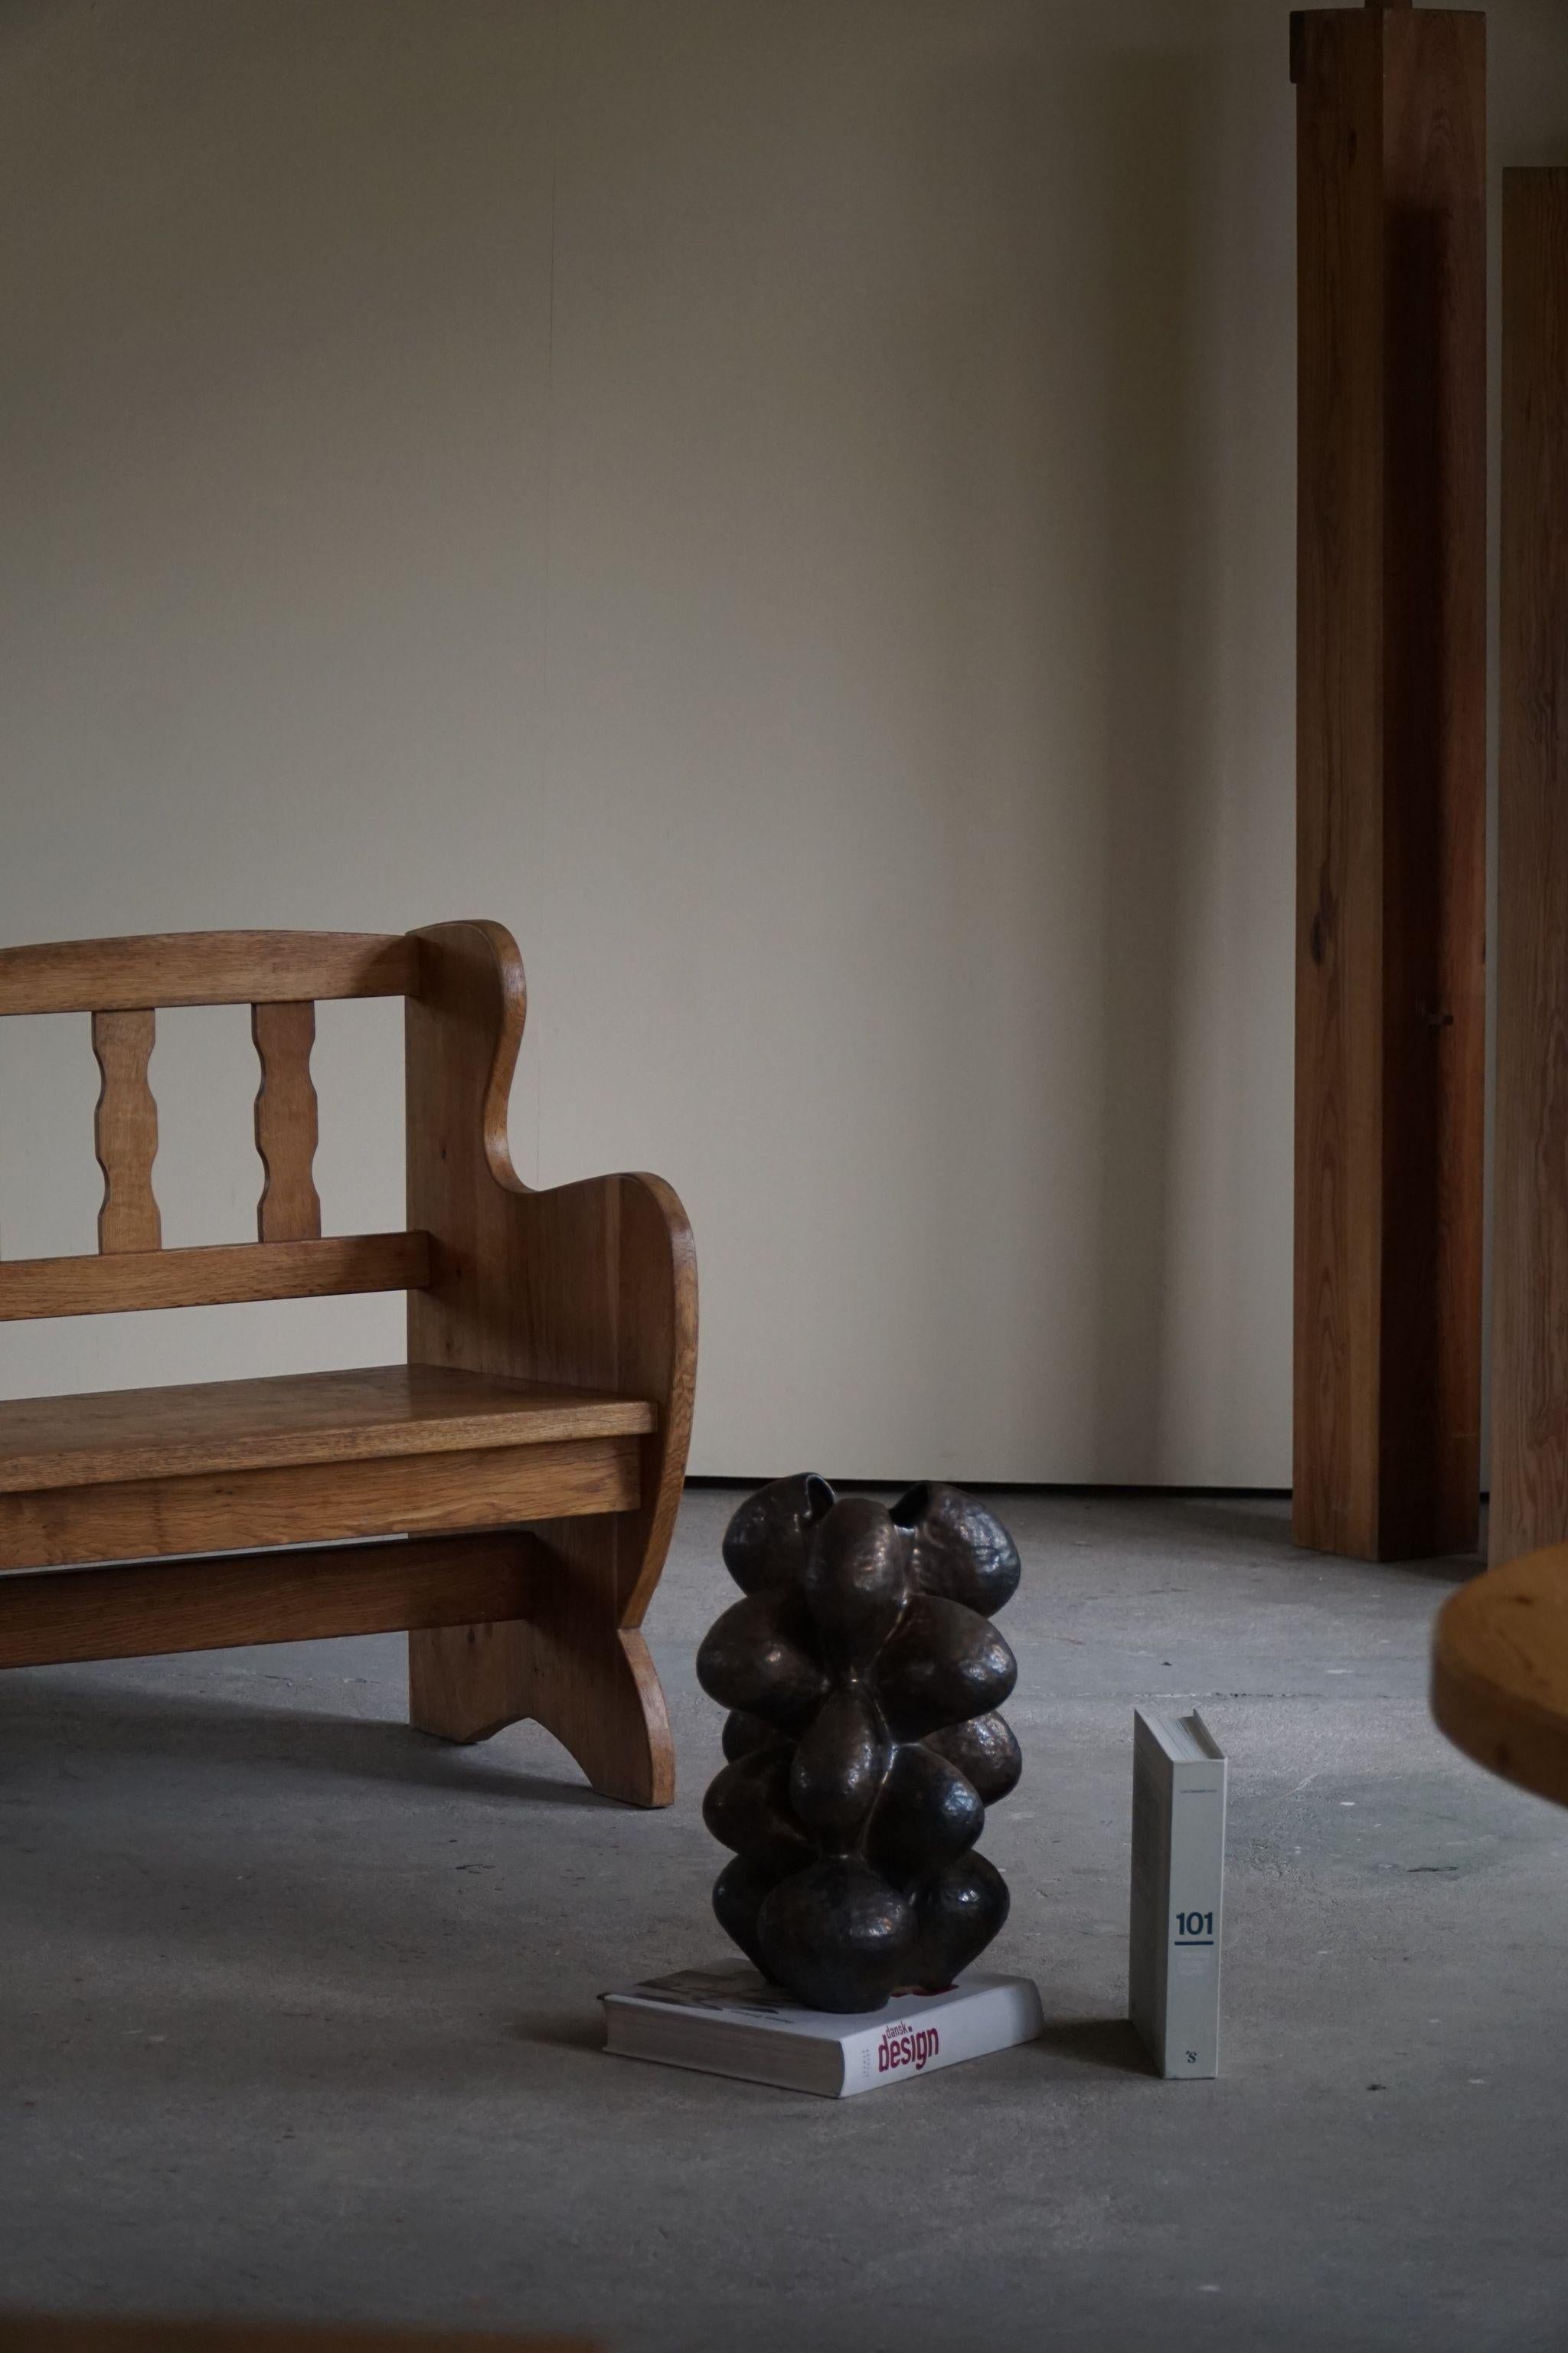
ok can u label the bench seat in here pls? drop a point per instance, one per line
(385, 1449)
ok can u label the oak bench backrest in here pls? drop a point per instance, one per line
(122, 984)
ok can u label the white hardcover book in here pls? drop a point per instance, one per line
(1178, 1891)
(731, 2022)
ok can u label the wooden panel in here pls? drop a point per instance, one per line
(203, 968)
(594, 1282)
(378, 1411)
(217, 1275)
(1500, 1669)
(466, 1686)
(1390, 779)
(1435, 832)
(315, 1502)
(50, 1616)
(125, 1132)
(1339, 763)
(1529, 1281)
(286, 1122)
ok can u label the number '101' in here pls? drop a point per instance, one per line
(1194, 1923)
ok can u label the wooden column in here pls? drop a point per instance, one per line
(1390, 777)
(1530, 1266)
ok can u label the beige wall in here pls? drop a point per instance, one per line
(787, 503)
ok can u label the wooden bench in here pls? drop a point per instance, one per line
(531, 1452)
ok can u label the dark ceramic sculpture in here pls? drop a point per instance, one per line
(863, 1679)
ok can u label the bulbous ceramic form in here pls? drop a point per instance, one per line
(863, 1742)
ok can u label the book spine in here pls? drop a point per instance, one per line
(918, 2046)
(1194, 1913)
(1148, 1936)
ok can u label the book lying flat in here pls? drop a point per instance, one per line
(1178, 1891)
(731, 2022)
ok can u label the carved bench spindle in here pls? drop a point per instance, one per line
(125, 1132)
(286, 1122)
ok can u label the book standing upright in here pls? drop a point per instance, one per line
(1178, 1891)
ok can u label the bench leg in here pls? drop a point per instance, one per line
(465, 1682)
(569, 1666)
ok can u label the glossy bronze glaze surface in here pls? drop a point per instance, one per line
(863, 1678)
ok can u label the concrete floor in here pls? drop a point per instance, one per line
(298, 2008)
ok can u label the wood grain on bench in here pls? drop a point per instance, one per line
(218, 1601)
(212, 1274)
(204, 969)
(309, 1503)
(125, 1132)
(374, 1413)
(287, 1122)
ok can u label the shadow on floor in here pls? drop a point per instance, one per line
(573, 2032)
(1254, 1520)
(107, 1722)
(1097, 2043)
(1266, 1524)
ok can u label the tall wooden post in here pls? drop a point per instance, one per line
(1390, 777)
(1529, 1263)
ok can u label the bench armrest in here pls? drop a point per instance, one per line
(592, 1284)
